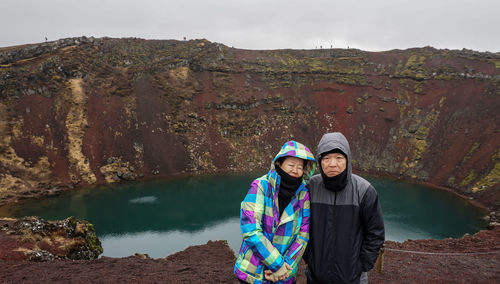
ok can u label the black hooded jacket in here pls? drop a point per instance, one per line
(346, 227)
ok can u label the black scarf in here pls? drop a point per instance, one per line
(335, 183)
(287, 188)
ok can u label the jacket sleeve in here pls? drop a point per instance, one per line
(373, 225)
(298, 247)
(307, 251)
(252, 216)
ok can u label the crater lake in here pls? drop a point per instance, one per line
(165, 216)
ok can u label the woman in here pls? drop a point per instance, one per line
(274, 219)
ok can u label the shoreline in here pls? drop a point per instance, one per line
(471, 200)
(486, 208)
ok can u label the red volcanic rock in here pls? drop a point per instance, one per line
(86, 111)
(471, 259)
(210, 263)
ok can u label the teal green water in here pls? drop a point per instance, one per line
(162, 217)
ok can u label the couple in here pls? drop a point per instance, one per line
(336, 215)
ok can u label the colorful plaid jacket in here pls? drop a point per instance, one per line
(268, 242)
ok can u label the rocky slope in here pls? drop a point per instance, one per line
(471, 259)
(35, 239)
(86, 111)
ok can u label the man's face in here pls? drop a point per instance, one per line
(333, 164)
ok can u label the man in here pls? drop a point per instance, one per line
(346, 225)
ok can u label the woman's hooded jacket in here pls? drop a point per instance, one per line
(270, 241)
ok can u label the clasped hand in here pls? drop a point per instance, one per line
(282, 274)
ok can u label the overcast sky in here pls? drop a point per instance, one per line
(372, 25)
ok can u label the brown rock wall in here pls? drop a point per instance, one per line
(102, 110)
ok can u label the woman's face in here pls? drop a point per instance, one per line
(293, 166)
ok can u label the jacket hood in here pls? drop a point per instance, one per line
(298, 150)
(332, 141)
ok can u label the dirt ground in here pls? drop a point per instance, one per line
(471, 259)
(210, 263)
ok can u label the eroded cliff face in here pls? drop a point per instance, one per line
(89, 111)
